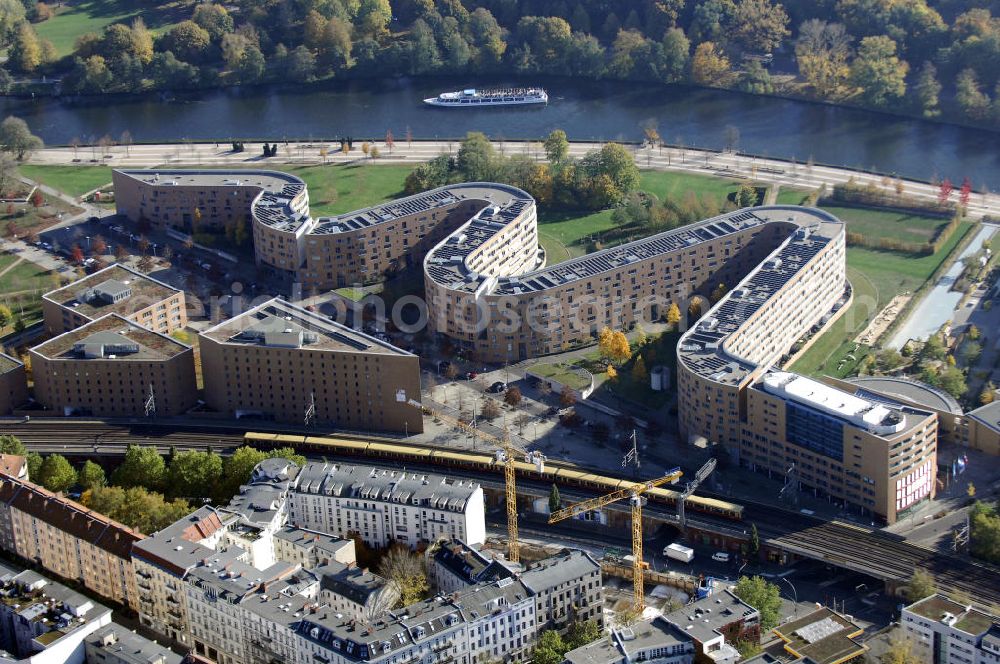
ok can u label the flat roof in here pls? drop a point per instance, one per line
(703, 618)
(146, 291)
(988, 415)
(8, 363)
(125, 645)
(625, 642)
(823, 636)
(863, 413)
(279, 324)
(908, 389)
(969, 620)
(151, 345)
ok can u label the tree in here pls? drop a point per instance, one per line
(214, 19)
(763, 596)
(754, 539)
(567, 397)
(710, 67)
(556, 146)
(549, 649)
(34, 461)
(16, 138)
(822, 51)
(718, 293)
(970, 98)
(759, 26)
(301, 65)
(141, 42)
(476, 158)
(927, 90)
(374, 16)
(194, 474)
(188, 41)
(639, 372)
(136, 507)
(984, 532)
(405, 570)
(580, 633)
(673, 314)
(11, 445)
(142, 466)
(91, 476)
(252, 65)
(26, 51)
(512, 397)
(555, 502)
(988, 394)
(921, 585)
(878, 71)
(970, 490)
(6, 316)
(56, 474)
(12, 14)
(900, 650)
(491, 409)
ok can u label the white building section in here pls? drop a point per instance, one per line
(862, 413)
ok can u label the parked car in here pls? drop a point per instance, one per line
(443, 366)
(720, 557)
(497, 387)
(471, 375)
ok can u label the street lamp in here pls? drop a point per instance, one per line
(795, 596)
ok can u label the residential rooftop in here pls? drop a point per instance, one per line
(124, 645)
(111, 337)
(349, 581)
(278, 324)
(55, 609)
(114, 289)
(397, 486)
(703, 347)
(326, 543)
(8, 363)
(703, 618)
(940, 608)
(624, 643)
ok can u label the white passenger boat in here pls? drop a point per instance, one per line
(473, 98)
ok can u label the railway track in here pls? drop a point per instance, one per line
(845, 545)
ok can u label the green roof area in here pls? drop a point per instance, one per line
(823, 636)
(50, 637)
(935, 606)
(974, 623)
(577, 378)
(8, 363)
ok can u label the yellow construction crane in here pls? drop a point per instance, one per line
(634, 493)
(507, 453)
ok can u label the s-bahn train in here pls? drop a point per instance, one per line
(558, 472)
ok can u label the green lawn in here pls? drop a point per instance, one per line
(788, 196)
(22, 287)
(877, 276)
(563, 373)
(72, 180)
(568, 235)
(343, 188)
(888, 224)
(79, 17)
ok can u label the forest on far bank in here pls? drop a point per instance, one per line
(930, 58)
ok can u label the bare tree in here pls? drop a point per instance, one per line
(491, 409)
(126, 140)
(406, 572)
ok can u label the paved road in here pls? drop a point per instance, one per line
(766, 170)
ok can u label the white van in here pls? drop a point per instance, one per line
(720, 557)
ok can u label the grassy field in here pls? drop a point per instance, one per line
(787, 196)
(887, 224)
(339, 189)
(568, 235)
(72, 180)
(21, 288)
(562, 373)
(79, 17)
(877, 276)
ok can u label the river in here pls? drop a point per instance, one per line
(585, 110)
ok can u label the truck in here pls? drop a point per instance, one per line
(679, 552)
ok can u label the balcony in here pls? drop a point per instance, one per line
(175, 613)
